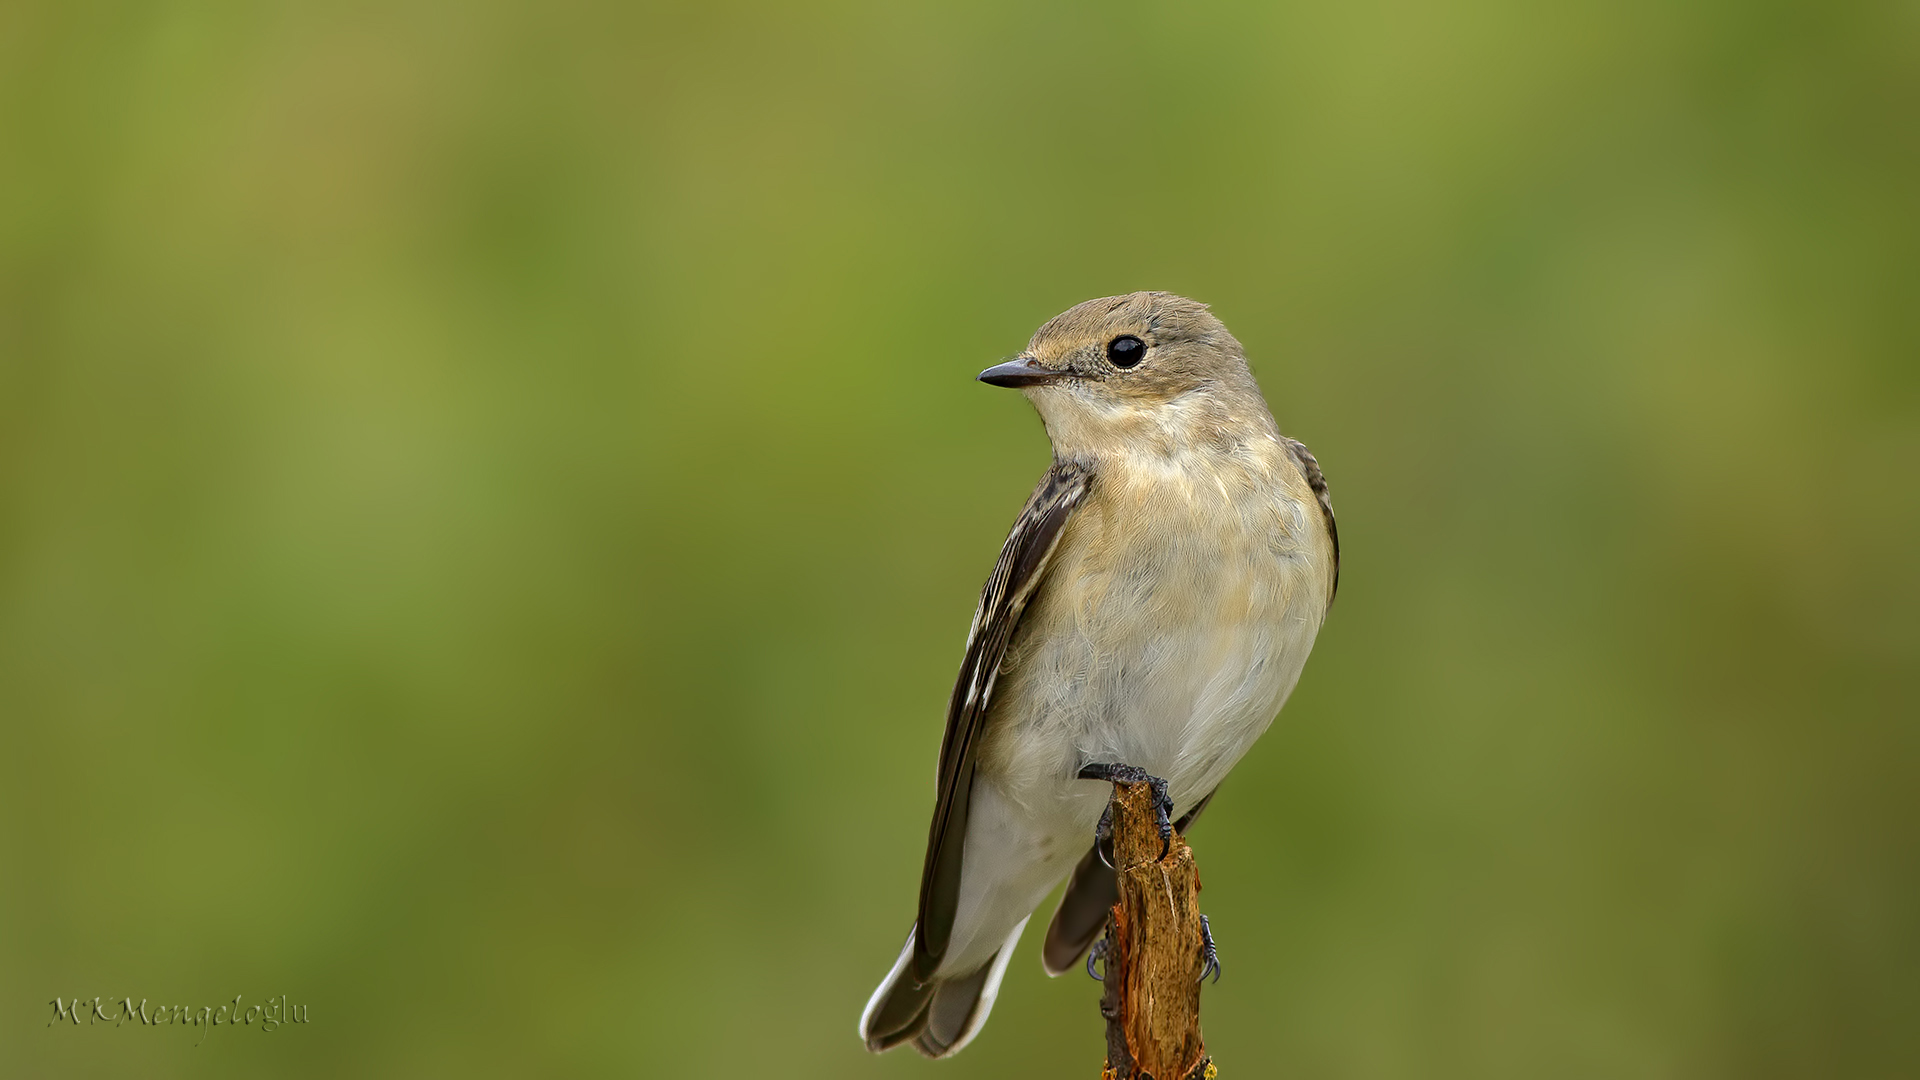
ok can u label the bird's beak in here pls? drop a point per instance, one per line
(1020, 371)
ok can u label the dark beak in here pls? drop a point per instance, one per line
(1022, 371)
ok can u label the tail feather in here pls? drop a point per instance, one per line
(1082, 913)
(897, 1011)
(938, 1017)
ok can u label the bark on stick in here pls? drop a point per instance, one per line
(1154, 953)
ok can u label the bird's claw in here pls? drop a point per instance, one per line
(1094, 955)
(1209, 954)
(1162, 805)
(1163, 816)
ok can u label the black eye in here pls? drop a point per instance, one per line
(1126, 351)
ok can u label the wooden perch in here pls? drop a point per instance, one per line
(1154, 955)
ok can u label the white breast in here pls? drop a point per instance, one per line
(1175, 619)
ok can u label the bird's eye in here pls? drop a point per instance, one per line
(1126, 351)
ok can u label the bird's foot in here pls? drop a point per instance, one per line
(1131, 774)
(1094, 956)
(1103, 837)
(1209, 954)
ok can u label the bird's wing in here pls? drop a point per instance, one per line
(1022, 565)
(1310, 468)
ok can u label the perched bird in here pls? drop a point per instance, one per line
(1152, 607)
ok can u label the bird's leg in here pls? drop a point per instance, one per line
(1209, 955)
(1094, 955)
(1132, 774)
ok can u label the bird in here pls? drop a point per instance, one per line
(1151, 609)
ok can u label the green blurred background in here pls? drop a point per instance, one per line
(491, 497)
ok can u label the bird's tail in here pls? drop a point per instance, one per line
(938, 1017)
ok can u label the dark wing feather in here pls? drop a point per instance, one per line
(1310, 468)
(1023, 563)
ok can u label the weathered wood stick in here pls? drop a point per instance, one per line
(1154, 954)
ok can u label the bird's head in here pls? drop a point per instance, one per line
(1145, 371)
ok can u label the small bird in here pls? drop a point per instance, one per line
(1152, 608)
